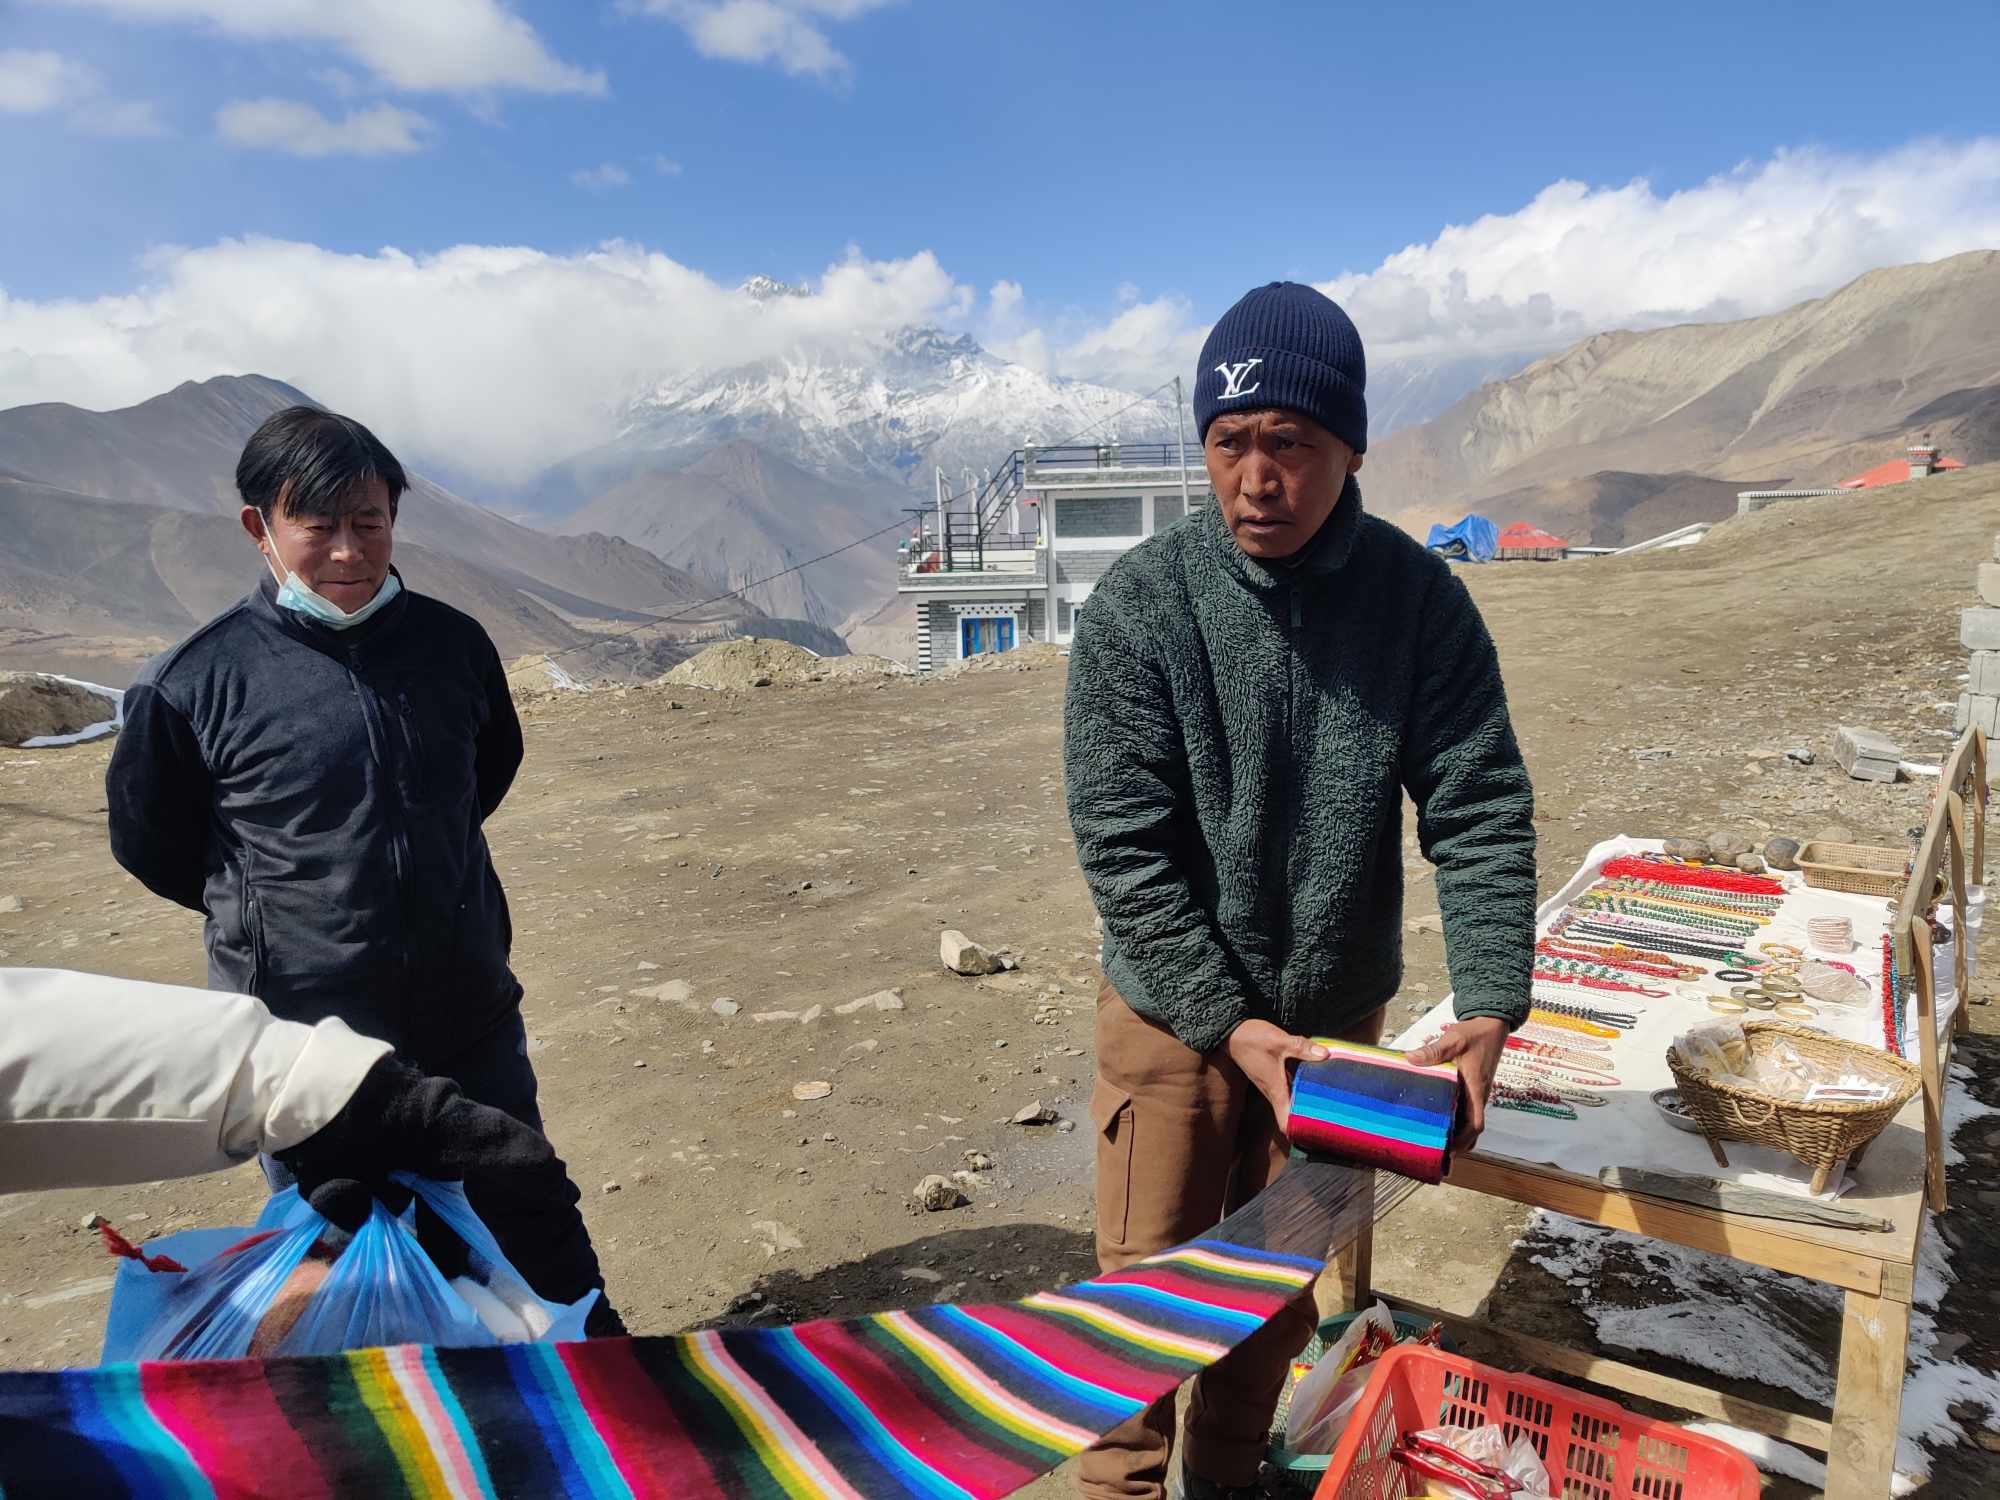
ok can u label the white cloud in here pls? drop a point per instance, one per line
(1577, 260)
(598, 179)
(33, 83)
(298, 129)
(441, 46)
(789, 34)
(496, 360)
(666, 166)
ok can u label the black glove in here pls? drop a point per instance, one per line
(399, 1120)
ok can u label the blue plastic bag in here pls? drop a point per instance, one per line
(381, 1288)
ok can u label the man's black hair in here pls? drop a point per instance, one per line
(318, 461)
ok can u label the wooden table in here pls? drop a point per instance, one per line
(1900, 1178)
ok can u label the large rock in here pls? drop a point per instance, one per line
(963, 956)
(33, 706)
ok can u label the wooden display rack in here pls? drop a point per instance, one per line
(1900, 1179)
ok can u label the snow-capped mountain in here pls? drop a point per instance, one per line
(890, 411)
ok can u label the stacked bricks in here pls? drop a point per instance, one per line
(1979, 633)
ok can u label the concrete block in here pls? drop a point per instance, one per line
(1865, 755)
(1984, 673)
(1977, 711)
(1989, 583)
(1979, 629)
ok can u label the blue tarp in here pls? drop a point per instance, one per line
(1472, 540)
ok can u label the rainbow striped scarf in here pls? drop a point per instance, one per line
(938, 1403)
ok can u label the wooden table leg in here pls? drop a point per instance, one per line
(1868, 1401)
(1347, 1285)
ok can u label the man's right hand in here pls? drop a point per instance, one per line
(1264, 1052)
(401, 1120)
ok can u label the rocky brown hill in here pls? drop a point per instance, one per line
(1807, 396)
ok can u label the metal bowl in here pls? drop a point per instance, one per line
(1668, 1103)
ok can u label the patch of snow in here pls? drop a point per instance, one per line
(1767, 1453)
(1753, 1324)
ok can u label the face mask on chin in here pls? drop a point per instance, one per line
(294, 594)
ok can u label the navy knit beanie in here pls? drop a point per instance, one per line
(1289, 346)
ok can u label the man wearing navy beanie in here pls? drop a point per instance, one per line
(1251, 694)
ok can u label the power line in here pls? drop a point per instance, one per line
(734, 593)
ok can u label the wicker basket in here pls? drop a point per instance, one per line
(1822, 1135)
(1859, 869)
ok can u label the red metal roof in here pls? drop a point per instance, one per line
(1522, 534)
(1895, 471)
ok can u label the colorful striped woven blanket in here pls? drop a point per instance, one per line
(937, 1403)
(1368, 1105)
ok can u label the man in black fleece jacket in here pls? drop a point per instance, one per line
(1251, 693)
(312, 770)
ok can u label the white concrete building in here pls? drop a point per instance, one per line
(1011, 562)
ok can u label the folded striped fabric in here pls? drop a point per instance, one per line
(941, 1402)
(1371, 1106)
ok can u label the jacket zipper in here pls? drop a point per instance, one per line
(1288, 812)
(399, 844)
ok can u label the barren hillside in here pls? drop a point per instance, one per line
(1806, 396)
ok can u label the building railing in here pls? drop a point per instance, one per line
(1112, 456)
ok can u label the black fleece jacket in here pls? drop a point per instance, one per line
(318, 795)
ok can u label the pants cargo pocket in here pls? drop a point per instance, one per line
(1111, 1117)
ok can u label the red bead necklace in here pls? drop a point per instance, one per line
(1656, 867)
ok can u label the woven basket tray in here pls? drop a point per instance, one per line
(1821, 1135)
(1859, 869)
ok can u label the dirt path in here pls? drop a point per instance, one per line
(793, 850)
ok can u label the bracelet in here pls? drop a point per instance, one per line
(1733, 976)
(1724, 1006)
(1752, 998)
(1781, 950)
(1792, 1010)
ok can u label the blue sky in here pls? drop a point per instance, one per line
(1084, 185)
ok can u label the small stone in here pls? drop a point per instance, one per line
(880, 1000)
(963, 956)
(638, 1062)
(744, 1302)
(813, 1089)
(92, 1221)
(979, 1161)
(998, 1043)
(725, 1007)
(707, 1048)
(1654, 752)
(1782, 854)
(811, 1014)
(1798, 755)
(1065, 1126)
(646, 964)
(1988, 1439)
(774, 1015)
(673, 992)
(936, 1193)
(1726, 846)
(608, 1189)
(1431, 923)
(10, 903)
(922, 1273)
(1694, 849)
(1036, 1113)
(1749, 862)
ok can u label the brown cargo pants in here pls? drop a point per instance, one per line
(1183, 1141)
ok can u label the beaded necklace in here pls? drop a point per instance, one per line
(1895, 997)
(1624, 1020)
(1617, 928)
(1627, 960)
(1679, 895)
(1660, 867)
(1562, 1057)
(1537, 1031)
(1592, 982)
(1543, 1071)
(1671, 912)
(1528, 1100)
(1551, 1017)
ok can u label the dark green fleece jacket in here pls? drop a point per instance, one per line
(1237, 740)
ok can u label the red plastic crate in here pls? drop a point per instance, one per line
(1593, 1449)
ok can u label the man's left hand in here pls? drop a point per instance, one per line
(1476, 1046)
